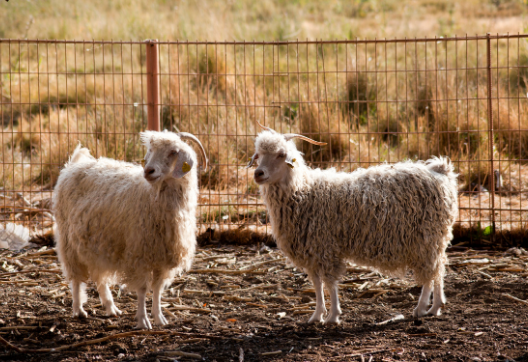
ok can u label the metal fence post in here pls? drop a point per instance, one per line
(490, 136)
(153, 101)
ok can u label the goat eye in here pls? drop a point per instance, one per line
(282, 155)
(172, 153)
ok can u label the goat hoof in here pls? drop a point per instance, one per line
(418, 313)
(332, 321)
(112, 311)
(316, 320)
(80, 314)
(143, 323)
(434, 313)
(160, 320)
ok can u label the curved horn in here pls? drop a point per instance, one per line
(290, 136)
(265, 128)
(189, 136)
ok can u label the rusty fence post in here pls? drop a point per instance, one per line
(153, 100)
(490, 136)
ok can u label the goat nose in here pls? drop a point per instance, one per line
(259, 173)
(149, 171)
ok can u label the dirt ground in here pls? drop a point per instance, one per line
(247, 303)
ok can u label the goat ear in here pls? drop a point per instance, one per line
(252, 161)
(290, 161)
(184, 164)
(145, 137)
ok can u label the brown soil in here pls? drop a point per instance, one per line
(241, 317)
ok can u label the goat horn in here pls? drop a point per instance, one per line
(290, 136)
(189, 136)
(266, 128)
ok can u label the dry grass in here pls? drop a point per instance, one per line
(264, 20)
(54, 96)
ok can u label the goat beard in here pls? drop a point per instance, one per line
(158, 187)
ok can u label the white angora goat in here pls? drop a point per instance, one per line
(388, 217)
(120, 222)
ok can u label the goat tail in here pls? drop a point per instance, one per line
(441, 165)
(80, 154)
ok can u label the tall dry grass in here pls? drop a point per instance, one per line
(371, 103)
(263, 20)
(367, 113)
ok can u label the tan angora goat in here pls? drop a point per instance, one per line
(120, 222)
(388, 217)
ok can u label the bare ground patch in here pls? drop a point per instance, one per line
(248, 304)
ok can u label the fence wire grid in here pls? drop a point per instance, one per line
(372, 101)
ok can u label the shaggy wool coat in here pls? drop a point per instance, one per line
(112, 225)
(388, 217)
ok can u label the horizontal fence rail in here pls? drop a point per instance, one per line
(372, 101)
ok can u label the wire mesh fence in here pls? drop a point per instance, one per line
(372, 101)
